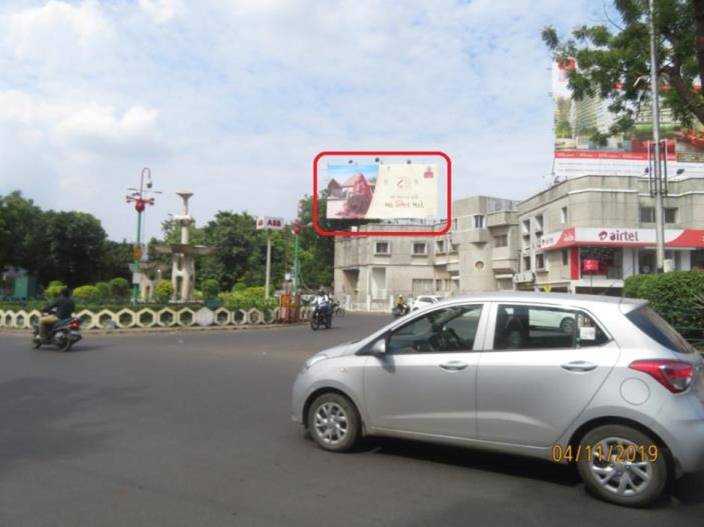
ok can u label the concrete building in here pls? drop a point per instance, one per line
(589, 233)
(479, 254)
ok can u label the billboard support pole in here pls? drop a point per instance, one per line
(268, 264)
(657, 178)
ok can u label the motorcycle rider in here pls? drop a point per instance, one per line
(63, 307)
(323, 303)
(401, 304)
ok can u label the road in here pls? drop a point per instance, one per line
(193, 429)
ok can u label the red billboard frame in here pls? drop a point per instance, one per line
(376, 153)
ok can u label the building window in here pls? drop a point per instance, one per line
(670, 215)
(501, 240)
(526, 263)
(565, 257)
(478, 221)
(422, 285)
(525, 228)
(563, 215)
(539, 223)
(440, 246)
(539, 261)
(382, 248)
(454, 224)
(479, 265)
(420, 248)
(454, 247)
(647, 215)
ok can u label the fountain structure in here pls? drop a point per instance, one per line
(183, 255)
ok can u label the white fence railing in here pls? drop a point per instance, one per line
(154, 318)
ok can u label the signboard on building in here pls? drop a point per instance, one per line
(620, 237)
(265, 222)
(383, 191)
(584, 144)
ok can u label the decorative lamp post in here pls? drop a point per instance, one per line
(137, 196)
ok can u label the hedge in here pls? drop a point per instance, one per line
(677, 296)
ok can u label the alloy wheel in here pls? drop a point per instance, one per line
(330, 423)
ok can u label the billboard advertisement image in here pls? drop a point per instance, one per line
(585, 144)
(382, 191)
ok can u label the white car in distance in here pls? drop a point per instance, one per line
(423, 301)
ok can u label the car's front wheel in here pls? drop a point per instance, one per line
(333, 422)
(622, 465)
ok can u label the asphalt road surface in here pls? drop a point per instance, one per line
(194, 429)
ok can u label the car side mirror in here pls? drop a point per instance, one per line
(378, 348)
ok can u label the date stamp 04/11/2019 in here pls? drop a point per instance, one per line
(614, 452)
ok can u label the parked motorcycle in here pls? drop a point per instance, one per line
(322, 316)
(63, 334)
(400, 310)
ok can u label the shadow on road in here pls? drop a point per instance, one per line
(476, 459)
(41, 418)
(687, 491)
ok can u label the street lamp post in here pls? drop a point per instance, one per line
(137, 196)
(296, 229)
(657, 187)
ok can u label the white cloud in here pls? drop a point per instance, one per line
(227, 92)
(162, 11)
(57, 29)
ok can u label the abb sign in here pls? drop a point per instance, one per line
(265, 222)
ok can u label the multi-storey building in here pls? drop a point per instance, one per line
(589, 233)
(479, 254)
(586, 234)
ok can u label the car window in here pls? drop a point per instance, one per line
(443, 330)
(653, 325)
(542, 327)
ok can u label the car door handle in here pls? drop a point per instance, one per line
(454, 365)
(579, 366)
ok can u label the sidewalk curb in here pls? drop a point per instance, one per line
(175, 329)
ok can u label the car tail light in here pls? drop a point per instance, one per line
(75, 324)
(675, 375)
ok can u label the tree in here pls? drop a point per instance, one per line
(21, 233)
(613, 61)
(72, 243)
(115, 258)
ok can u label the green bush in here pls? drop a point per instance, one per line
(677, 296)
(103, 290)
(86, 294)
(247, 298)
(210, 288)
(163, 291)
(119, 288)
(54, 289)
(633, 284)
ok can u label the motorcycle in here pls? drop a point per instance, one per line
(400, 310)
(62, 334)
(322, 316)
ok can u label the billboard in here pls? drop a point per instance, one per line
(585, 146)
(382, 191)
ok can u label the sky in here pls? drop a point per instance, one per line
(232, 99)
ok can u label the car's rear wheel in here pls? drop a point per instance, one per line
(622, 465)
(333, 422)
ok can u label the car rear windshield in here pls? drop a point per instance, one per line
(653, 325)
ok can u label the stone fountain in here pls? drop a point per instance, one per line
(183, 255)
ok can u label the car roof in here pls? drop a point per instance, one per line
(627, 304)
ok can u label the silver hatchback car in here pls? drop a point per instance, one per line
(599, 381)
